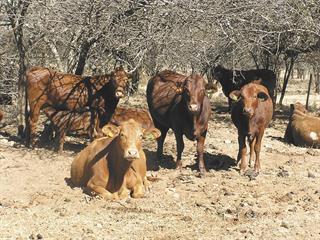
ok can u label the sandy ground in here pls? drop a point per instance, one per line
(283, 202)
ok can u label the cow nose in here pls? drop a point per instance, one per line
(133, 153)
(193, 107)
(248, 111)
(119, 94)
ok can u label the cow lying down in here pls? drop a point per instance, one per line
(303, 129)
(114, 166)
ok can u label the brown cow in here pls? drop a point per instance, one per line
(251, 114)
(303, 129)
(179, 102)
(235, 79)
(70, 92)
(64, 121)
(114, 166)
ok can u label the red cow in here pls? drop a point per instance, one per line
(179, 102)
(62, 91)
(251, 114)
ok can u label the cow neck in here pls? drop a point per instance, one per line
(119, 166)
(100, 81)
(193, 118)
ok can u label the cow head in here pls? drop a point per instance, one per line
(129, 135)
(298, 108)
(218, 73)
(193, 93)
(249, 97)
(120, 79)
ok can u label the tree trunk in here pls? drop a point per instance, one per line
(309, 89)
(289, 67)
(84, 50)
(317, 81)
(17, 22)
(135, 80)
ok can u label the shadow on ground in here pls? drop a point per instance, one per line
(216, 162)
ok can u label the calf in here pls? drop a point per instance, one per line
(64, 121)
(303, 129)
(179, 102)
(234, 80)
(251, 114)
(114, 166)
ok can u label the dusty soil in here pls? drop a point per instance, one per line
(283, 202)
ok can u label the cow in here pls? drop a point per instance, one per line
(303, 128)
(1, 116)
(70, 92)
(64, 121)
(115, 165)
(251, 113)
(179, 102)
(235, 79)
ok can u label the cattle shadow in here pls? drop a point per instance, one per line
(153, 164)
(216, 162)
(280, 139)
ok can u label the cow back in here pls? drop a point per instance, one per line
(163, 91)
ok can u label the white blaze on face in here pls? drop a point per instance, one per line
(314, 136)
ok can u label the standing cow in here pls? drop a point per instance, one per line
(62, 91)
(179, 102)
(251, 113)
(235, 79)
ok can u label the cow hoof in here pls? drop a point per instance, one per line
(105, 196)
(202, 172)
(138, 195)
(251, 174)
(242, 172)
(179, 165)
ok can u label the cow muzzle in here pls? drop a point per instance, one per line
(248, 112)
(119, 94)
(132, 154)
(193, 108)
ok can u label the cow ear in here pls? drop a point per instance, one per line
(235, 95)
(151, 133)
(110, 130)
(262, 96)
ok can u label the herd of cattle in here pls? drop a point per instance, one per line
(113, 165)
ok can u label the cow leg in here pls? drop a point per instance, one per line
(229, 104)
(96, 186)
(257, 149)
(252, 144)
(32, 121)
(180, 147)
(200, 146)
(62, 137)
(123, 191)
(138, 189)
(146, 184)
(160, 142)
(242, 152)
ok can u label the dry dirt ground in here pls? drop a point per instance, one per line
(283, 202)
